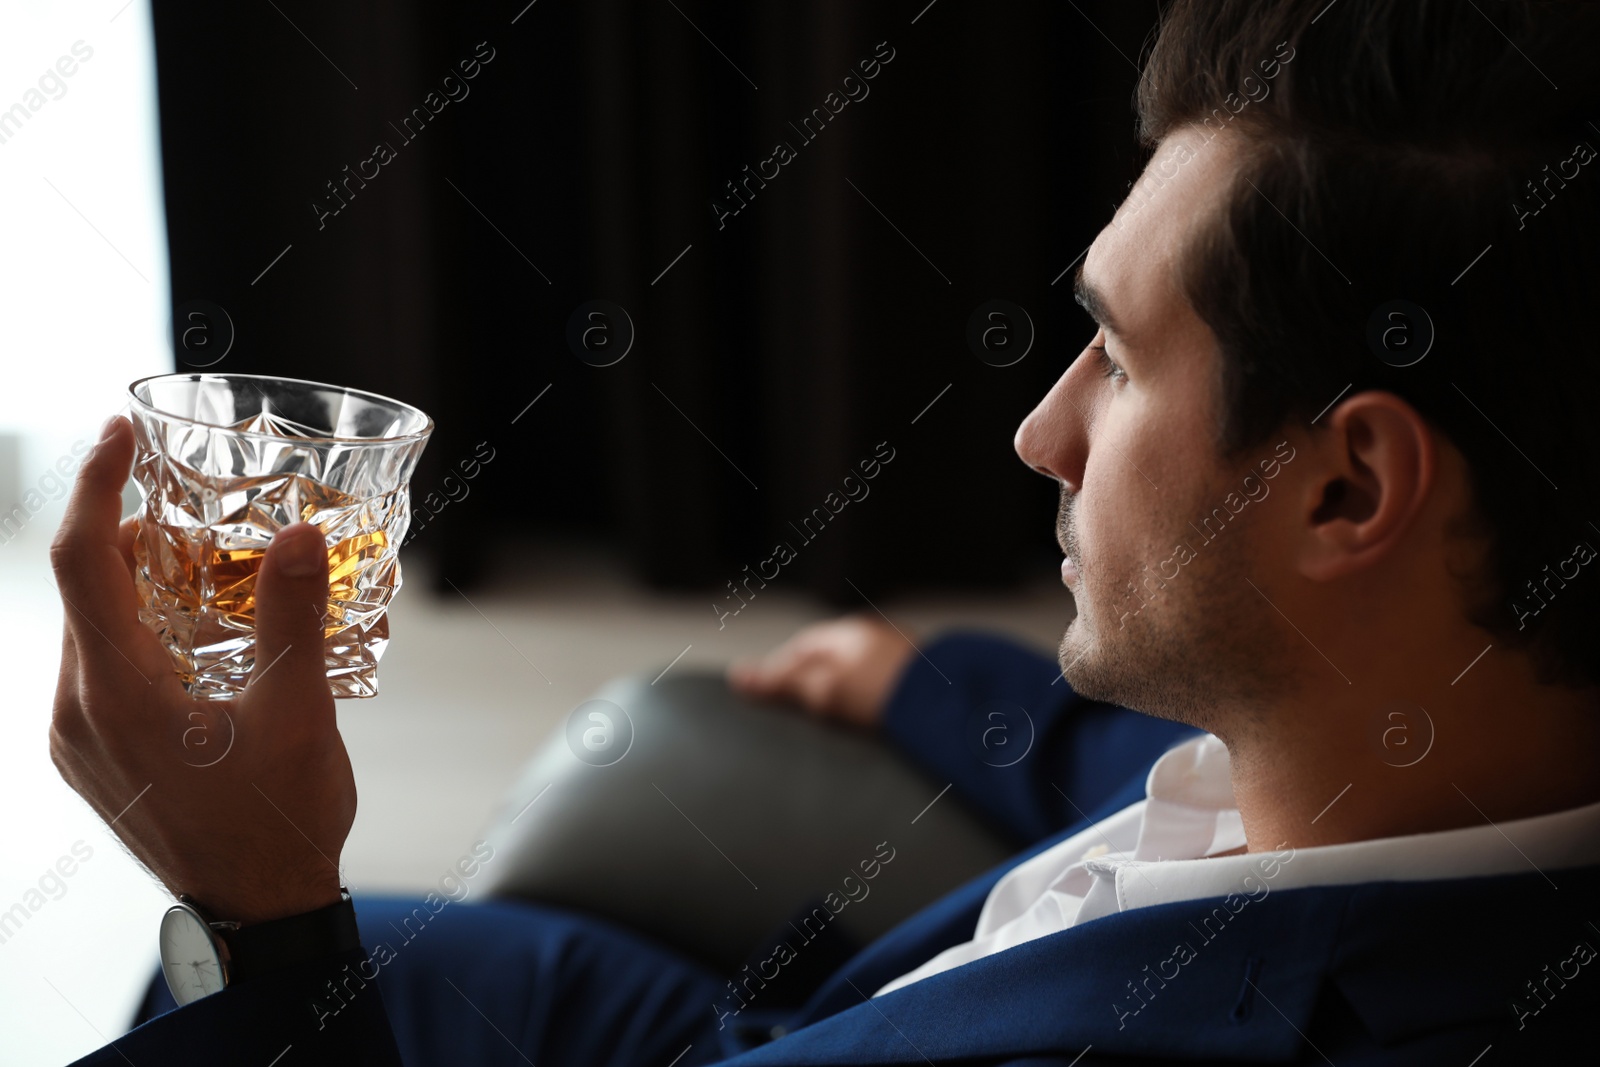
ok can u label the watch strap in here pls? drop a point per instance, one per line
(278, 944)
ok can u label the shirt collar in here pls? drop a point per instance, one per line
(1190, 815)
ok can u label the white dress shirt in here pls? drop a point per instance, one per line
(1156, 851)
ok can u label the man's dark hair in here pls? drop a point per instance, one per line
(1416, 150)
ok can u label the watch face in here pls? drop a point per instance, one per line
(189, 956)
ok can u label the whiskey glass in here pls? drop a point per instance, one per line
(224, 461)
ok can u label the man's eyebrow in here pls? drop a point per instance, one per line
(1094, 302)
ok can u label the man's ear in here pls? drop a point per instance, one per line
(1375, 461)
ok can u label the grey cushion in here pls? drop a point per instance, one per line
(723, 817)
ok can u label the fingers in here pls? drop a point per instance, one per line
(291, 600)
(843, 669)
(777, 675)
(785, 673)
(804, 645)
(126, 534)
(67, 676)
(761, 676)
(91, 571)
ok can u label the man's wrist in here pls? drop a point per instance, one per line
(254, 909)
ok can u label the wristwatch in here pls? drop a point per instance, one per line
(201, 955)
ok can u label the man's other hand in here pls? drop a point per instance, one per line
(243, 804)
(841, 669)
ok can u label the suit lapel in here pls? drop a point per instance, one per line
(1510, 950)
(1409, 957)
(1143, 983)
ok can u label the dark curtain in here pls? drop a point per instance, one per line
(597, 152)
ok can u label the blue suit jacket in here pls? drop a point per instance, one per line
(1383, 972)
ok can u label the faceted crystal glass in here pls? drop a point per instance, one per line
(223, 462)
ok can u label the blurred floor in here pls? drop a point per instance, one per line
(469, 688)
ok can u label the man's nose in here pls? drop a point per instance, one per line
(1053, 438)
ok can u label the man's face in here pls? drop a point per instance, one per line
(1130, 433)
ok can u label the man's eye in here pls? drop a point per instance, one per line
(1108, 369)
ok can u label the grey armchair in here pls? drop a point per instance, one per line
(725, 818)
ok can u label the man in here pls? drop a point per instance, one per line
(1324, 473)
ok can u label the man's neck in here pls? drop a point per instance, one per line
(1359, 764)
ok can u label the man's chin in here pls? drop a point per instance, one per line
(1076, 656)
(1105, 670)
(1135, 676)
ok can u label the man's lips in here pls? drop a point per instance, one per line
(1069, 570)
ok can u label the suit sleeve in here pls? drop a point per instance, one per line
(325, 1011)
(995, 719)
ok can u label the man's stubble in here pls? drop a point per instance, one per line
(1202, 647)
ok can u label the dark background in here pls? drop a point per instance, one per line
(768, 361)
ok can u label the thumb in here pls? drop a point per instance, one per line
(291, 602)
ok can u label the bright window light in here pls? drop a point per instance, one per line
(83, 270)
(83, 312)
